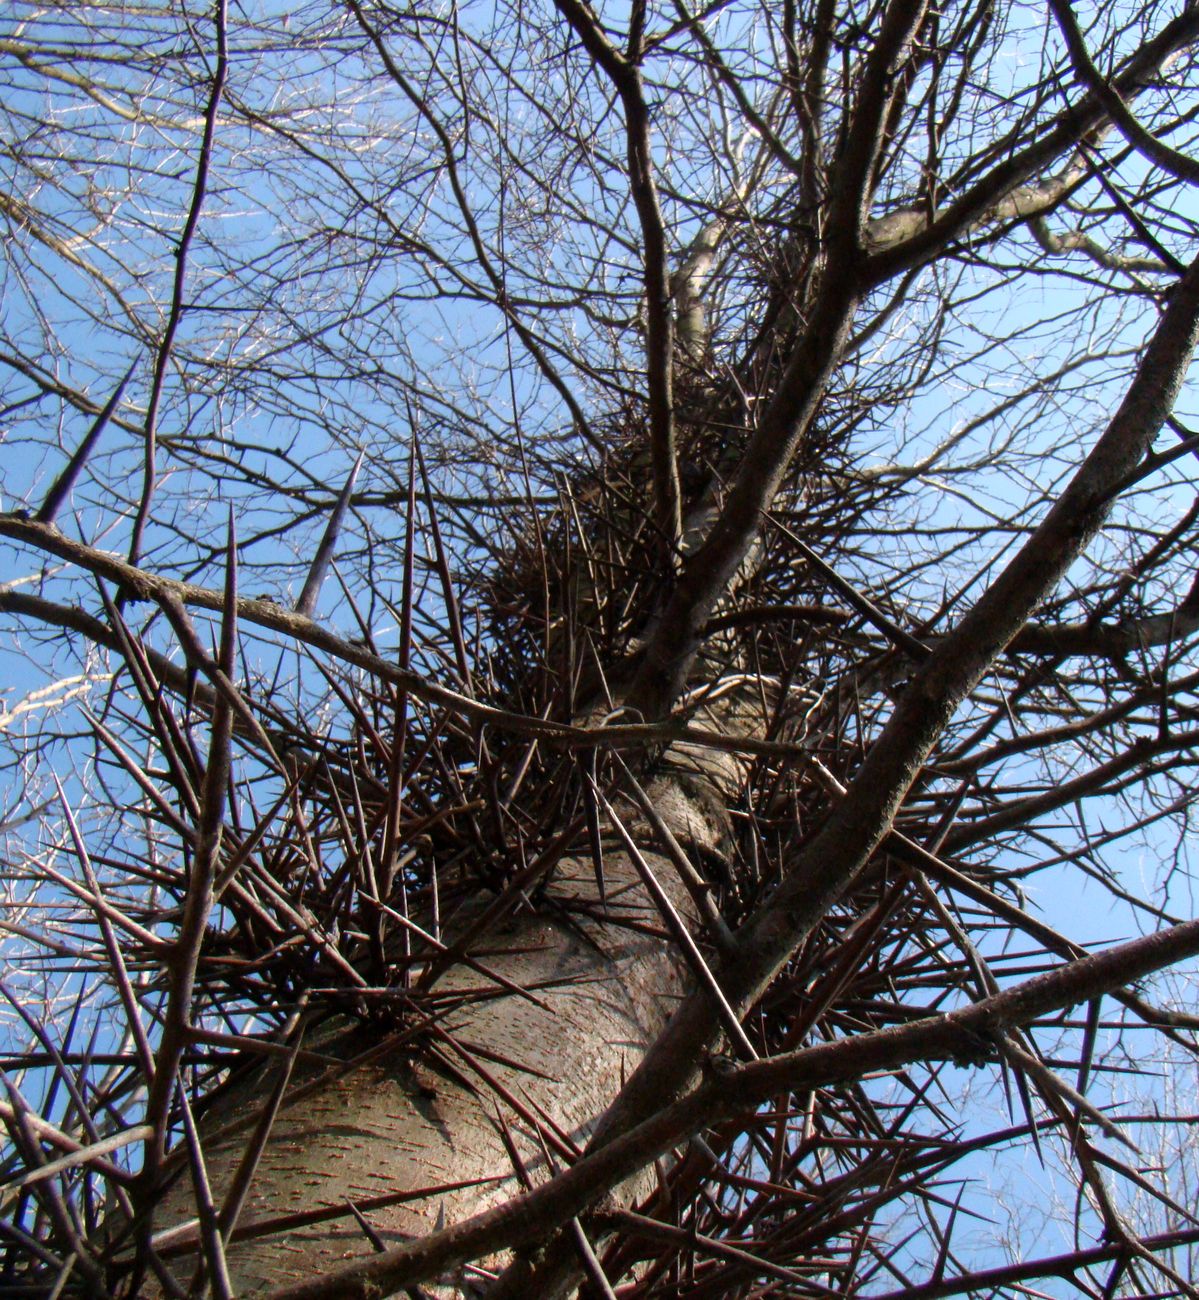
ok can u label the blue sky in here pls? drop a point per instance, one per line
(271, 378)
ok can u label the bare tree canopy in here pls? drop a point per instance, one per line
(600, 619)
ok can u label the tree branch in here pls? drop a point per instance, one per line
(659, 322)
(909, 237)
(1171, 161)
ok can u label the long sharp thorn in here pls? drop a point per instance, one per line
(319, 568)
(63, 484)
(678, 930)
(117, 967)
(443, 570)
(1086, 1053)
(377, 1242)
(946, 1236)
(228, 649)
(210, 1232)
(396, 776)
(591, 807)
(591, 1265)
(243, 1177)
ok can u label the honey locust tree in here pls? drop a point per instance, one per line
(601, 648)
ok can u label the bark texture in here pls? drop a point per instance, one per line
(599, 992)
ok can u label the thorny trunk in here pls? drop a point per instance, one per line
(524, 1076)
(545, 1022)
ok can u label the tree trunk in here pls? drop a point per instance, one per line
(525, 1077)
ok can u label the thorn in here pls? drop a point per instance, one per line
(306, 604)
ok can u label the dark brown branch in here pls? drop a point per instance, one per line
(1112, 640)
(1068, 1266)
(183, 958)
(1024, 812)
(659, 323)
(783, 425)
(175, 315)
(1008, 193)
(1171, 161)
